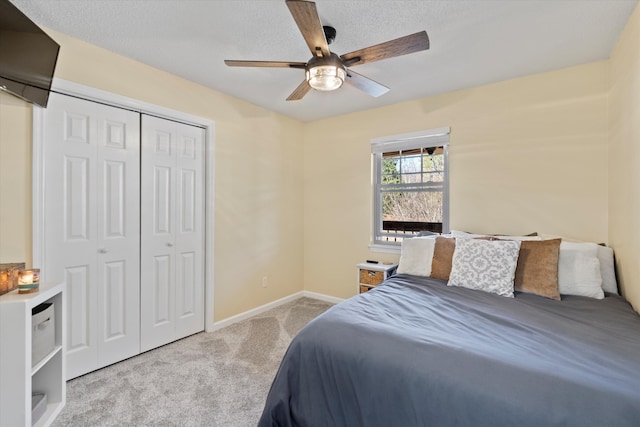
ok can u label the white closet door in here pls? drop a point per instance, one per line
(92, 229)
(172, 234)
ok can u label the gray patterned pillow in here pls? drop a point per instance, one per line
(488, 266)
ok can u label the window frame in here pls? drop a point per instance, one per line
(403, 142)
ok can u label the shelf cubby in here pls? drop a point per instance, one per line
(18, 377)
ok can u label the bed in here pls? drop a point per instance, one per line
(416, 352)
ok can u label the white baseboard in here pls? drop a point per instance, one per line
(322, 297)
(259, 310)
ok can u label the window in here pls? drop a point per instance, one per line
(411, 185)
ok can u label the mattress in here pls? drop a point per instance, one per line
(414, 352)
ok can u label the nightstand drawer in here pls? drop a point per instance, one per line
(365, 288)
(371, 277)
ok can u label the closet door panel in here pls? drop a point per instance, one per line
(172, 231)
(79, 271)
(186, 296)
(162, 209)
(114, 200)
(91, 154)
(114, 300)
(187, 292)
(118, 141)
(162, 313)
(82, 327)
(188, 210)
(190, 230)
(77, 282)
(76, 198)
(70, 240)
(157, 310)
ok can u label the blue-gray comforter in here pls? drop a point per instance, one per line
(414, 352)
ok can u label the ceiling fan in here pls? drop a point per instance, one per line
(327, 71)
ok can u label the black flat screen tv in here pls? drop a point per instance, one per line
(27, 56)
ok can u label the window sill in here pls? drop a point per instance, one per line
(389, 249)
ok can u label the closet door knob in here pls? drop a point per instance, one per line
(103, 250)
(170, 244)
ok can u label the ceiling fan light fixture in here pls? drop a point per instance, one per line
(326, 77)
(325, 73)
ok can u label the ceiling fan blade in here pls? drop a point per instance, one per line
(275, 64)
(402, 46)
(300, 91)
(308, 21)
(365, 84)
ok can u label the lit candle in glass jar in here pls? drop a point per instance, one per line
(28, 281)
(28, 277)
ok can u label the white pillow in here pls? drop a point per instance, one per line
(485, 265)
(607, 265)
(416, 256)
(579, 270)
(607, 269)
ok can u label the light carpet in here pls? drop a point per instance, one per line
(209, 379)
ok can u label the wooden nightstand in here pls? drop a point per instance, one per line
(371, 275)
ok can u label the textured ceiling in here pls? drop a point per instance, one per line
(473, 42)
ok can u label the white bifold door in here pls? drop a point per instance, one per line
(172, 242)
(92, 234)
(123, 227)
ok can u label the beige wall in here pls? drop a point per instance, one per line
(258, 175)
(293, 200)
(624, 159)
(15, 180)
(526, 155)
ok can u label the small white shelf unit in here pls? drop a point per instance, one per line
(18, 379)
(371, 275)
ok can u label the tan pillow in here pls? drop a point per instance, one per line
(537, 270)
(442, 258)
